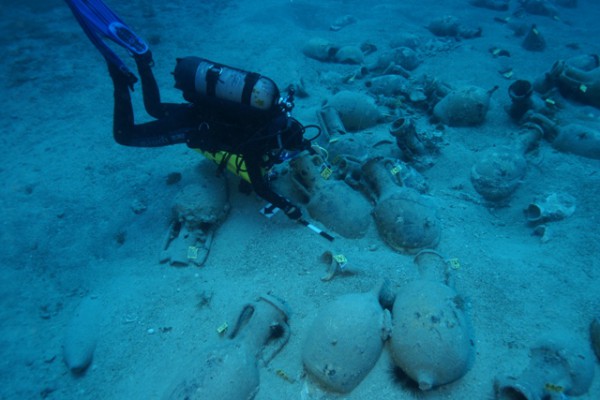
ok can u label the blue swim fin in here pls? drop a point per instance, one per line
(99, 22)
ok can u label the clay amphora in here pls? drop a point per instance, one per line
(356, 110)
(198, 211)
(405, 219)
(534, 41)
(559, 366)
(345, 340)
(320, 49)
(230, 371)
(579, 80)
(464, 107)
(331, 202)
(520, 92)
(431, 335)
(552, 207)
(582, 139)
(405, 132)
(500, 171)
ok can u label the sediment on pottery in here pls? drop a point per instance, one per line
(464, 107)
(559, 366)
(345, 340)
(356, 110)
(575, 138)
(584, 62)
(520, 92)
(405, 58)
(342, 22)
(211, 375)
(552, 207)
(406, 220)
(534, 41)
(331, 124)
(349, 55)
(500, 171)
(576, 78)
(320, 49)
(444, 26)
(198, 211)
(329, 201)
(498, 174)
(388, 85)
(431, 335)
(406, 39)
(449, 26)
(416, 147)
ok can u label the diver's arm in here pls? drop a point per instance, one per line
(253, 165)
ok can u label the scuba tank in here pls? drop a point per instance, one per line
(203, 81)
(254, 101)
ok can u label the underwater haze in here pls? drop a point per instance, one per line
(458, 162)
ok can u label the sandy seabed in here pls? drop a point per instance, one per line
(69, 229)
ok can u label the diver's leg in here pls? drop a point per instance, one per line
(174, 127)
(123, 124)
(150, 90)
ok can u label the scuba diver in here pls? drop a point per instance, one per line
(233, 117)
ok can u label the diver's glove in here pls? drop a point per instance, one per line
(293, 212)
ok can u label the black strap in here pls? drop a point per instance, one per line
(223, 163)
(249, 83)
(212, 78)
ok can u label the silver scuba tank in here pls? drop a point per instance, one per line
(202, 80)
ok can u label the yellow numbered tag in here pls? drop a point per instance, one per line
(454, 263)
(192, 252)
(326, 172)
(496, 51)
(535, 31)
(550, 387)
(340, 259)
(583, 88)
(396, 170)
(508, 74)
(551, 102)
(283, 375)
(222, 328)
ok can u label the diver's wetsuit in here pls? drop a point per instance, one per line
(206, 127)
